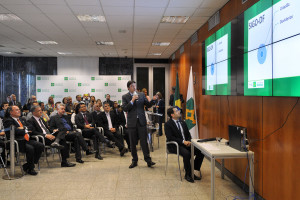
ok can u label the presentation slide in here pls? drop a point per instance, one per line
(210, 62)
(286, 19)
(258, 49)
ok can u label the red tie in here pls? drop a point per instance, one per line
(85, 119)
(26, 136)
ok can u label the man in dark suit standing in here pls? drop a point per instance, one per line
(14, 102)
(109, 122)
(39, 127)
(33, 149)
(133, 104)
(63, 123)
(85, 122)
(178, 131)
(111, 103)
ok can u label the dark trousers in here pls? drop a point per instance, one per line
(135, 133)
(78, 141)
(160, 121)
(116, 138)
(63, 152)
(185, 152)
(33, 150)
(126, 136)
(95, 135)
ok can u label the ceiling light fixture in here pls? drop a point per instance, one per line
(91, 18)
(174, 19)
(9, 17)
(64, 53)
(47, 42)
(154, 54)
(161, 44)
(104, 43)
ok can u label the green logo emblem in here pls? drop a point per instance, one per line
(52, 84)
(52, 95)
(66, 90)
(66, 78)
(79, 84)
(92, 78)
(38, 78)
(119, 78)
(254, 84)
(39, 90)
(119, 90)
(106, 84)
(93, 90)
(119, 101)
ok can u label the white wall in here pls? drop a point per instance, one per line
(78, 66)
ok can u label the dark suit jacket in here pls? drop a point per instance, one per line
(17, 104)
(19, 133)
(171, 101)
(36, 129)
(56, 123)
(173, 134)
(161, 108)
(79, 120)
(136, 109)
(104, 121)
(96, 118)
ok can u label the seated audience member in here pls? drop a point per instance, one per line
(33, 149)
(4, 106)
(32, 99)
(50, 106)
(178, 131)
(63, 123)
(111, 103)
(85, 122)
(78, 99)
(123, 122)
(14, 102)
(29, 115)
(100, 104)
(91, 104)
(116, 108)
(55, 110)
(86, 100)
(69, 105)
(44, 114)
(55, 140)
(109, 122)
(25, 107)
(65, 100)
(74, 113)
(96, 115)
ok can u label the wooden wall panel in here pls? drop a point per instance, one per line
(281, 150)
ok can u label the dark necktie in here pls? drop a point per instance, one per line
(44, 127)
(178, 125)
(85, 119)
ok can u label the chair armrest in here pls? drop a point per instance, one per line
(101, 130)
(121, 130)
(35, 137)
(79, 130)
(173, 142)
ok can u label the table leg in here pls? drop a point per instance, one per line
(192, 160)
(251, 176)
(222, 169)
(212, 187)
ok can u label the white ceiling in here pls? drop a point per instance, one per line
(56, 20)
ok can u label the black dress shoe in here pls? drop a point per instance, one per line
(79, 161)
(133, 164)
(67, 164)
(25, 167)
(124, 150)
(32, 172)
(57, 146)
(98, 156)
(88, 152)
(189, 179)
(197, 177)
(150, 164)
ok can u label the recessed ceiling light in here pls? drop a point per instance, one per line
(64, 53)
(160, 43)
(174, 19)
(9, 17)
(91, 18)
(47, 42)
(154, 54)
(104, 43)
(7, 52)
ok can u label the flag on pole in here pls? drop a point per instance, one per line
(177, 101)
(191, 117)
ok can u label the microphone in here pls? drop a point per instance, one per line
(136, 94)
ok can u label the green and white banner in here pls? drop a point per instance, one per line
(191, 116)
(59, 86)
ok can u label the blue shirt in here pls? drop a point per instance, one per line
(66, 125)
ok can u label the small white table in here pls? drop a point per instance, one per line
(218, 150)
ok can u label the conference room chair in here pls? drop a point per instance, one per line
(177, 153)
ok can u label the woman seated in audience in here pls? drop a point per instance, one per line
(91, 104)
(44, 114)
(50, 106)
(100, 103)
(73, 114)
